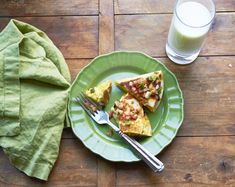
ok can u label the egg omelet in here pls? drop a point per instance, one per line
(146, 88)
(130, 116)
(100, 93)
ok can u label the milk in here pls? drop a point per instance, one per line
(189, 28)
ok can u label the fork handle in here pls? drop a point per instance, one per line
(141, 152)
(155, 164)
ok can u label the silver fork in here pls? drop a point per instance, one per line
(102, 117)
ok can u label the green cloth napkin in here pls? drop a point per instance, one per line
(34, 87)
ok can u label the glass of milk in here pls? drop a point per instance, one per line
(189, 26)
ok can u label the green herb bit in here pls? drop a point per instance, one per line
(159, 90)
(92, 90)
(127, 122)
(152, 77)
(141, 85)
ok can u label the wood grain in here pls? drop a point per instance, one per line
(68, 134)
(76, 166)
(106, 26)
(106, 173)
(161, 6)
(203, 152)
(189, 161)
(75, 36)
(106, 169)
(208, 88)
(199, 161)
(148, 33)
(76, 65)
(48, 7)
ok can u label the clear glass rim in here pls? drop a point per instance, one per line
(214, 12)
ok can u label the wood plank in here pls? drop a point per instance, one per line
(48, 7)
(106, 26)
(161, 6)
(189, 161)
(106, 170)
(68, 134)
(106, 173)
(148, 33)
(76, 65)
(76, 37)
(208, 88)
(76, 166)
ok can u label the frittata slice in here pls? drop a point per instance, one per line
(130, 116)
(100, 93)
(147, 88)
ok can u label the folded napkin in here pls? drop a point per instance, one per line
(34, 87)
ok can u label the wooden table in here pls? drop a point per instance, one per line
(203, 153)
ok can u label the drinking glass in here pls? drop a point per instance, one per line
(190, 24)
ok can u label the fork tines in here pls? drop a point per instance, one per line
(82, 102)
(87, 103)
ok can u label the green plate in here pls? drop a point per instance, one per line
(165, 121)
